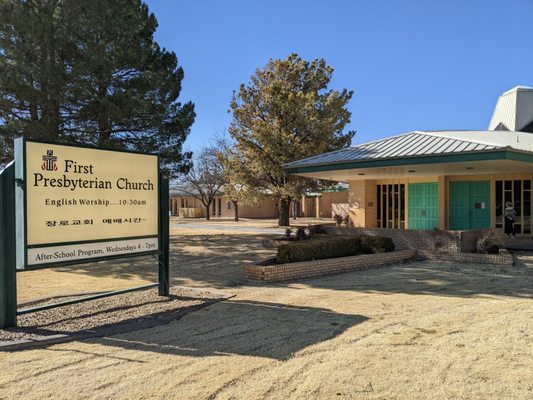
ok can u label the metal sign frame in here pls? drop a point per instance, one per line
(21, 212)
(11, 235)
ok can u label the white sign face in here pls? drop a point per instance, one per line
(84, 200)
(73, 252)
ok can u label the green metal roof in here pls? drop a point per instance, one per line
(504, 154)
(419, 148)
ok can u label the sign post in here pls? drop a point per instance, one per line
(164, 255)
(8, 283)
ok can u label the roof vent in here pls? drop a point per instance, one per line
(514, 111)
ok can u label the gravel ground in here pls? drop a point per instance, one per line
(98, 314)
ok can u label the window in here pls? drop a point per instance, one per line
(517, 192)
(391, 206)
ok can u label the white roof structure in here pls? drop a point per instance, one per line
(505, 148)
(514, 111)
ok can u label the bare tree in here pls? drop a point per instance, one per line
(234, 190)
(205, 179)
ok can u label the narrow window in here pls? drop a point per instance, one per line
(390, 212)
(378, 205)
(499, 204)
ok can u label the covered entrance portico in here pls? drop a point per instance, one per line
(451, 191)
(452, 180)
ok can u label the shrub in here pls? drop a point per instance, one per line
(300, 234)
(288, 233)
(347, 221)
(338, 219)
(376, 244)
(316, 230)
(487, 243)
(493, 249)
(320, 247)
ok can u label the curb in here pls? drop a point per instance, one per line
(115, 329)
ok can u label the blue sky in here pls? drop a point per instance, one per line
(412, 64)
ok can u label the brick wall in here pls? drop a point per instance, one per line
(444, 241)
(504, 258)
(371, 211)
(307, 269)
(357, 200)
(326, 202)
(308, 206)
(442, 201)
(266, 208)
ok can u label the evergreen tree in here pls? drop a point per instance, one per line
(90, 72)
(284, 114)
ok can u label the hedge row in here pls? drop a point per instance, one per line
(320, 247)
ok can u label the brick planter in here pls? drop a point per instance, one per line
(444, 241)
(307, 269)
(504, 258)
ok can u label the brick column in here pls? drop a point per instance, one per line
(370, 204)
(362, 200)
(356, 199)
(443, 202)
(317, 207)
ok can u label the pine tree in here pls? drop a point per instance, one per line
(284, 114)
(90, 72)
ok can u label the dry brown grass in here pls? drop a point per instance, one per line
(415, 331)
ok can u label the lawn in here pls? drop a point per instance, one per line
(421, 330)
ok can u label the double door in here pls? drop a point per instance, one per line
(469, 205)
(423, 205)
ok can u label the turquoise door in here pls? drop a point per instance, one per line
(480, 198)
(469, 205)
(423, 205)
(459, 205)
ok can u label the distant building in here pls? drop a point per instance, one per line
(186, 206)
(318, 205)
(457, 180)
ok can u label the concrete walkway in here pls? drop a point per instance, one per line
(228, 228)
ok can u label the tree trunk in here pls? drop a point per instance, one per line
(104, 123)
(236, 208)
(283, 212)
(207, 211)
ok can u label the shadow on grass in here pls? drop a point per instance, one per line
(247, 328)
(216, 261)
(438, 278)
(208, 260)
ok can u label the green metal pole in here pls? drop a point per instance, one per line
(8, 281)
(164, 257)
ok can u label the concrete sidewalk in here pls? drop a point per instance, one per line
(227, 228)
